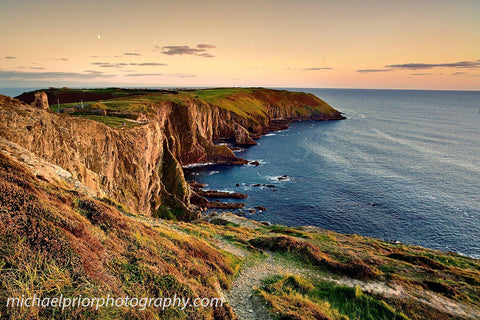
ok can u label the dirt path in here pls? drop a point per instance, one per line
(250, 307)
(245, 305)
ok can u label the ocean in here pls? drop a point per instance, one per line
(13, 92)
(404, 166)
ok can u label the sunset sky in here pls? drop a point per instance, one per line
(304, 43)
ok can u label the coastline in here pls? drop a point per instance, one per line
(110, 248)
(406, 196)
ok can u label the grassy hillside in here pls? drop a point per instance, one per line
(56, 242)
(248, 103)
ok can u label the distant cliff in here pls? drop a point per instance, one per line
(139, 164)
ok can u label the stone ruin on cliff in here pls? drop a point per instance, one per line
(41, 100)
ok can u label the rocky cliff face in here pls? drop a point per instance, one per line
(140, 167)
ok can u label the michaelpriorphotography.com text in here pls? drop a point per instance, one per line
(142, 303)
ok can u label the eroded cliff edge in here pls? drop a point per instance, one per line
(140, 166)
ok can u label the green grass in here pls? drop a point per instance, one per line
(138, 105)
(249, 103)
(55, 106)
(307, 299)
(288, 231)
(114, 122)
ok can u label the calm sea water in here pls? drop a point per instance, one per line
(13, 92)
(414, 154)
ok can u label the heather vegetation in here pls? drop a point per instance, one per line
(55, 241)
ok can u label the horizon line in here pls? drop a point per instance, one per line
(215, 87)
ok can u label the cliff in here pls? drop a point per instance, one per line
(74, 194)
(55, 241)
(138, 163)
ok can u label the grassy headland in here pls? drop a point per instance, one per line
(57, 239)
(249, 103)
(61, 242)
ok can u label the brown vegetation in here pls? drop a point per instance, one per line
(55, 242)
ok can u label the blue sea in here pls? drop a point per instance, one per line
(13, 92)
(404, 166)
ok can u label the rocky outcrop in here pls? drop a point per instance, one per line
(140, 167)
(242, 137)
(221, 194)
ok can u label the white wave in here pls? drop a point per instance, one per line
(270, 134)
(213, 172)
(349, 114)
(276, 178)
(196, 165)
(260, 161)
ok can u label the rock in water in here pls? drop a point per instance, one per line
(41, 100)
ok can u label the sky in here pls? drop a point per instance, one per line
(380, 44)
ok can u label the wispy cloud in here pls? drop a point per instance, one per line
(179, 50)
(373, 70)
(9, 75)
(422, 74)
(418, 66)
(105, 57)
(200, 50)
(148, 64)
(131, 54)
(173, 75)
(458, 73)
(316, 68)
(58, 59)
(10, 57)
(36, 68)
(206, 55)
(93, 72)
(109, 65)
(144, 74)
(124, 64)
(205, 46)
(181, 75)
